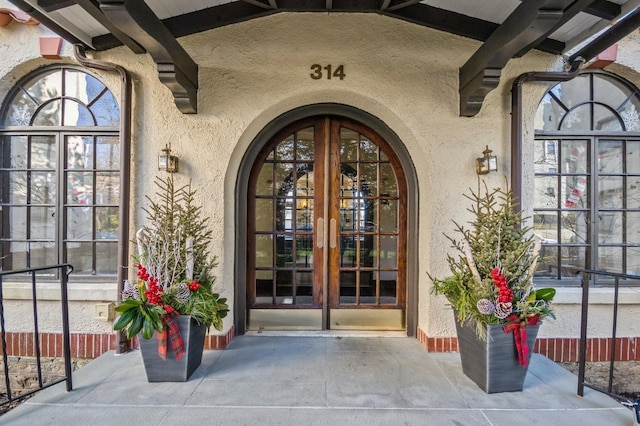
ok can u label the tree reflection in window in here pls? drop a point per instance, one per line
(59, 166)
(587, 171)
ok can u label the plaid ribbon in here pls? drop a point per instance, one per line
(519, 329)
(171, 331)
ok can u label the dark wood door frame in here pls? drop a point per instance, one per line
(251, 155)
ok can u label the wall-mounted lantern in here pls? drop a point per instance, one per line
(166, 161)
(487, 163)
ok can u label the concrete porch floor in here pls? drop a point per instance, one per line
(317, 380)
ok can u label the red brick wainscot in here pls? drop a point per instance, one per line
(84, 345)
(560, 349)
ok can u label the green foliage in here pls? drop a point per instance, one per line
(496, 238)
(175, 239)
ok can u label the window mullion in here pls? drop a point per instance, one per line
(61, 217)
(593, 201)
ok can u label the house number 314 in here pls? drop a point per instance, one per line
(328, 71)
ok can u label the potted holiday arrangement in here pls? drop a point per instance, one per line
(497, 309)
(173, 303)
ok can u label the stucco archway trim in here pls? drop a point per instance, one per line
(241, 188)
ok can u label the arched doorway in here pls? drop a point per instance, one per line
(325, 205)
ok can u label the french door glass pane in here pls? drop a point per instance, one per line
(574, 156)
(610, 158)
(18, 187)
(389, 216)
(304, 287)
(610, 258)
(633, 228)
(107, 188)
(610, 191)
(388, 286)
(265, 180)
(264, 214)
(633, 260)
(347, 287)
(264, 287)
(43, 187)
(18, 255)
(388, 252)
(368, 179)
(610, 227)
(79, 223)
(264, 251)
(80, 188)
(284, 287)
(17, 222)
(574, 227)
(546, 195)
(80, 255)
(633, 157)
(107, 220)
(348, 145)
(547, 262)
(43, 152)
(106, 257)
(388, 183)
(633, 192)
(368, 150)
(42, 254)
(43, 224)
(304, 147)
(108, 153)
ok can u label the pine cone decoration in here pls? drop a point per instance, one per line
(503, 309)
(183, 294)
(485, 306)
(130, 291)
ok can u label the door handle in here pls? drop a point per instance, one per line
(320, 233)
(332, 233)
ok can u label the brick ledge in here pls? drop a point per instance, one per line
(558, 349)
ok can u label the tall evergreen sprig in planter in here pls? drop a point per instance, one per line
(491, 281)
(175, 271)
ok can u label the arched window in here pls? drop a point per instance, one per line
(587, 177)
(59, 172)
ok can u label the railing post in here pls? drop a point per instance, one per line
(64, 270)
(583, 331)
(65, 325)
(5, 359)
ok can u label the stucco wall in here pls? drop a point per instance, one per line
(252, 72)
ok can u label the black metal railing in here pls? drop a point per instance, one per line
(590, 277)
(65, 269)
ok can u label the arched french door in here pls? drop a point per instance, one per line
(326, 230)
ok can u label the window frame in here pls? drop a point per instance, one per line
(61, 204)
(593, 138)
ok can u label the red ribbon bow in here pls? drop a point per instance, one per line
(170, 329)
(519, 328)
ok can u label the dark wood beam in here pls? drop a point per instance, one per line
(176, 69)
(604, 9)
(570, 12)
(53, 5)
(481, 73)
(92, 7)
(259, 4)
(395, 5)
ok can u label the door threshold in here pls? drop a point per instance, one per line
(327, 333)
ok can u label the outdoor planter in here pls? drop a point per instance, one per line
(494, 364)
(171, 369)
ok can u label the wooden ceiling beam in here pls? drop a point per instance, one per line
(176, 69)
(481, 73)
(92, 7)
